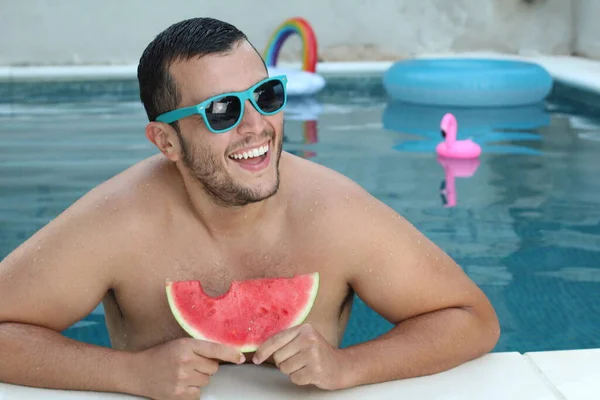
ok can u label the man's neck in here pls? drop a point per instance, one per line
(222, 221)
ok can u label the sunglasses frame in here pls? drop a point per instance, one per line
(174, 115)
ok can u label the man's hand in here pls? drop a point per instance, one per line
(305, 356)
(179, 369)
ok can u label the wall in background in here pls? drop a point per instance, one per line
(116, 31)
(587, 35)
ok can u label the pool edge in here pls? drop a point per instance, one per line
(577, 72)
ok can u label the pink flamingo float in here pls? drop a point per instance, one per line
(452, 148)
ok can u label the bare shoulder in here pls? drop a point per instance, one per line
(386, 260)
(120, 208)
(71, 262)
(317, 180)
(351, 220)
(333, 196)
(123, 207)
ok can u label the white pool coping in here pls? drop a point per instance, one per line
(552, 375)
(562, 375)
(575, 71)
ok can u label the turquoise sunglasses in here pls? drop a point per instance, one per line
(224, 111)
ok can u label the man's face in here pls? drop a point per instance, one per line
(216, 160)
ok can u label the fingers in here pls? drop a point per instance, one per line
(195, 375)
(218, 351)
(206, 366)
(199, 379)
(191, 393)
(292, 364)
(302, 377)
(274, 343)
(287, 351)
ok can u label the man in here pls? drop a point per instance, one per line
(222, 202)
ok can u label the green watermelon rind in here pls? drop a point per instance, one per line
(196, 334)
(193, 332)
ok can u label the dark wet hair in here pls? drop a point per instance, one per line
(195, 37)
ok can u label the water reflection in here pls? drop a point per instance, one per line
(306, 110)
(455, 168)
(496, 129)
(303, 108)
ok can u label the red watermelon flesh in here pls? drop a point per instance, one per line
(248, 313)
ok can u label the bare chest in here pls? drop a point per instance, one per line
(141, 317)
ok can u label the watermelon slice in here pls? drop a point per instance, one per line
(249, 313)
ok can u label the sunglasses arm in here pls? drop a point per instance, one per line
(175, 115)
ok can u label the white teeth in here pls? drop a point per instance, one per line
(256, 152)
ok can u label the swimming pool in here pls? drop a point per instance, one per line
(525, 227)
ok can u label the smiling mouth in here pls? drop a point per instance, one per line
(254, 158)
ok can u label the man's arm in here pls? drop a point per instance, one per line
(51, 281)
(442, 318)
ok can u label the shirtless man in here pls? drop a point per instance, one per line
(200, 209)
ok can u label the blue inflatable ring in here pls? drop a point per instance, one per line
(467, 82)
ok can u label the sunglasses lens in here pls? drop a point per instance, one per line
(270, 96)
(223, 113)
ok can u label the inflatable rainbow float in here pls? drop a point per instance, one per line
(305, 82)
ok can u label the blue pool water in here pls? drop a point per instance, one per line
(525, 226)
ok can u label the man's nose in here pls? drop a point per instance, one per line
(252, 121)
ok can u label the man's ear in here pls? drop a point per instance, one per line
(164, 137)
